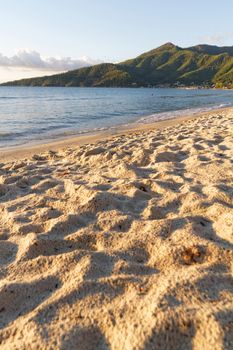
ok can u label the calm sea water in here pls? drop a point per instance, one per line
(31, 114)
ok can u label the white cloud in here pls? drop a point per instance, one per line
(216, 39)
(32, 60)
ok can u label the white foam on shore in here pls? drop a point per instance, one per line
(179, 113)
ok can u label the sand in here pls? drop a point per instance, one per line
(125, 243)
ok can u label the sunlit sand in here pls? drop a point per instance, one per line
(125, 243)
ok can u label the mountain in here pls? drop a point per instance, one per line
(167, 65)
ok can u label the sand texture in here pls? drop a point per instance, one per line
(122, 244)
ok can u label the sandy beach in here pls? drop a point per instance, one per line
(120, 241)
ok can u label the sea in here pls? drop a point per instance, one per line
(30, 115)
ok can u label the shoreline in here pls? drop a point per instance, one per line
(191, 87)
(24, 151)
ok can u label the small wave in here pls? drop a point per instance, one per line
(8, 98)
(193, 96)
(66, 133)
(178, 113)
(167, 97)
(15, 97)
(7, 134)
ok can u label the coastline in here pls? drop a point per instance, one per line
(24, 151)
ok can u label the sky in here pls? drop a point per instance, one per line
(49, 36)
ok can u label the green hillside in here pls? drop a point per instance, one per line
(168, 65)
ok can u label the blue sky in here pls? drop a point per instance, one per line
(106, 30)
